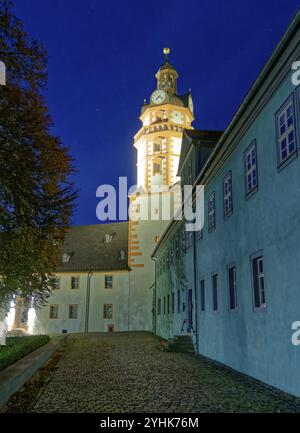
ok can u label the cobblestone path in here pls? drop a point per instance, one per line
(125, 372)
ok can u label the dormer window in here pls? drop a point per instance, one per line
(65, 258)
(107, 238)
(122, 255)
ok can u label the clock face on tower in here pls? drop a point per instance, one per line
(177, 117)
(158, 96)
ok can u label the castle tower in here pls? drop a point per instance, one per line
(158, 141)
(158, 144)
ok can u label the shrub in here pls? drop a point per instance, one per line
(18, 347)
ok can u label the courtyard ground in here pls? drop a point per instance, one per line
(126, 372)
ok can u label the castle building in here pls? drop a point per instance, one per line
(105, 277)
(234, 285)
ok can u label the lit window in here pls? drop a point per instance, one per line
(232, 288)
(211, 212)
(156, 239)
(227, 194)
(258, 282)
(53, 311)
(251, 169)
(73, 311)
(107, 311)
(285, 124)
(108, 284)
(215, 292)
(75, 283)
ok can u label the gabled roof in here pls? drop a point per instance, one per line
(196, 137)
(88, 250)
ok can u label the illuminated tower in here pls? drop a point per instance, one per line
(158, 144)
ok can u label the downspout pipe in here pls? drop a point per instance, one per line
(88, 295)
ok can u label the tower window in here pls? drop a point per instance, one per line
(156, 147)
(156, 168)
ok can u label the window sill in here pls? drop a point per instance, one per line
(251, 193)
(286, 162)
(225, 216)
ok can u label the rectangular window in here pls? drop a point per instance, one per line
(73, 311)
(202, 295)
(173, 303)
(108, 281)
(227, 194)
(107, 311)
(164, 305)
(159, 307)
(258, 282)
(286, 134)
(168, 304)
(156, 168)
(215, 292)
(232, 288)
(56, 283)
(53, 311)
(156, 147)
(251, 177)
(75, 283)
(178, 301)
(211, 212)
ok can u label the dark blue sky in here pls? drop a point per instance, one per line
(103, 56)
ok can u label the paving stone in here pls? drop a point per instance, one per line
(125, 372)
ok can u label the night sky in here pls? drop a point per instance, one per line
(103, 56)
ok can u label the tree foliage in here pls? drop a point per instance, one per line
(36, 195)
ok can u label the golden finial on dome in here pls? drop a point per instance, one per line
(166, 52)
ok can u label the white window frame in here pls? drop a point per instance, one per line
(260, 281)
(70, 309)
(108, 286)
(234, 288)
(211, 211)
(56, 309)
(227, 194)
(251, 180)
(284, 129)
(77, 279)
